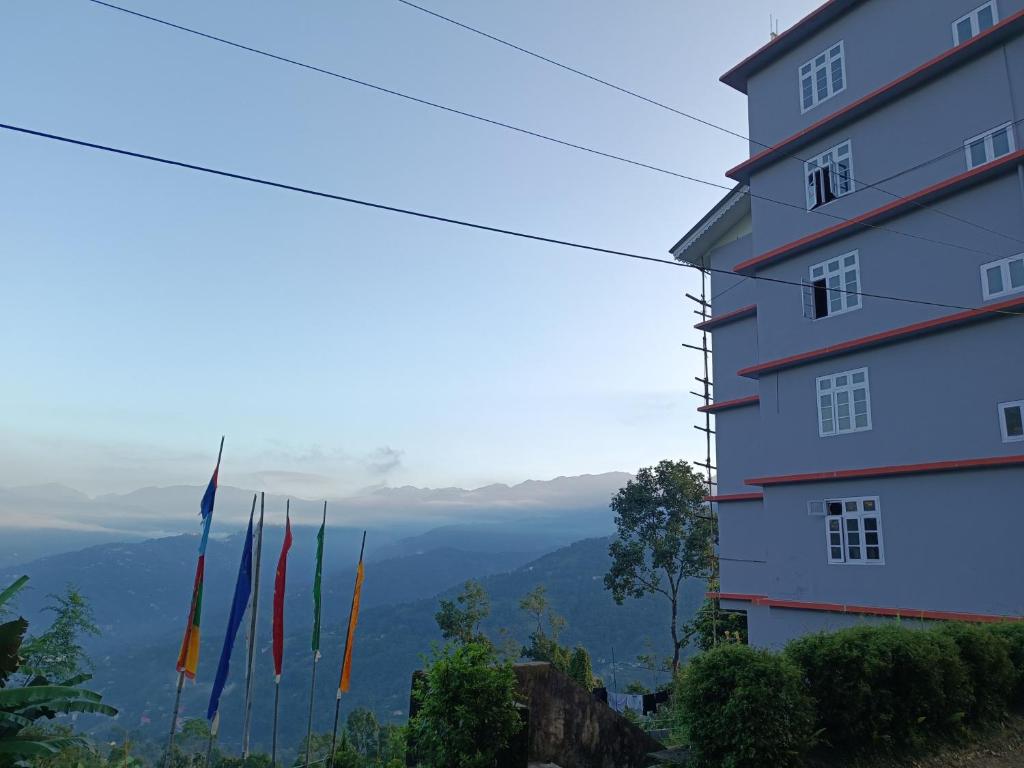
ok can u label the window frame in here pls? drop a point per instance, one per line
(1005, 275)
(844, 295)
(827, 53)
(832, 154)
(850, 389)
(1003, 431)
(975, 26)
(990, 152)
(859, 514)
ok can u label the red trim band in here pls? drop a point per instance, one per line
(904, 613)
(916, 77)
(737, 314)
(736, 497)
(900, 469)
(729, 404)
(883, 213)
(935, 325)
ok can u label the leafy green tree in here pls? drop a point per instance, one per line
(363, 732)
(460, 619)
(580, 668)
(57, 653)
(544, 645)
(664, 536)
(468, 709)
(23, 709)
(712, 626)
(392, 745)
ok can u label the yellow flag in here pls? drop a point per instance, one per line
(353, 619)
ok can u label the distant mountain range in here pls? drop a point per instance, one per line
(39, 520)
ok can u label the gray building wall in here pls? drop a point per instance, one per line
(951, 539)
(884, 39)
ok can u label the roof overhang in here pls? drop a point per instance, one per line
(726, 214)
(813, 22)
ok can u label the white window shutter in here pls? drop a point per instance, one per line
(816, 508)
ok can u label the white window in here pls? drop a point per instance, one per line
(1003, 277)
(1011, 421)
(844, 403)
(990, 146)
(833, 287)
(829, 175)
(822, 77)
(853, 531)
(975, 22)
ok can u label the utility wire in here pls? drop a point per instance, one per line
(690, 116)
(459, 222)
(535, 134)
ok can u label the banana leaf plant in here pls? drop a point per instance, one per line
(23, 707)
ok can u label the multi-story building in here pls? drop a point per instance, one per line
(868, 320)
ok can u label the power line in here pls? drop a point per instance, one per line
(535, 134)
(459, 222)
(690, 116)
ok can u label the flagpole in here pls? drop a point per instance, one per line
(344, 655)
(316, 634)
(174, 718)
(214, 727)
(252, 636)
(277, 698)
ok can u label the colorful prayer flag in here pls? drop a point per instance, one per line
(353, 619)
(188, 656)
(316, 584)
(243, 588)
(279, 583)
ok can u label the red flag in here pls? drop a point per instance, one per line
(279, 579)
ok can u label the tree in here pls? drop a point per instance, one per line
(23, 709)
(664, 536)
(544, 644)
(363, 731)
(468, 710)
(580, 668)
(57, 653)
(711, 626)
(459, 619)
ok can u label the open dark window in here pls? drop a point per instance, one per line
(820, 299)
(820, 182)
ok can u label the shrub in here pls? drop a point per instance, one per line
(744, 708)
(987, 657)
(883, 687)
(1013, 634)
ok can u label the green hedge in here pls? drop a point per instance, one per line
(868, 689)
(744, 708)
(880, 687)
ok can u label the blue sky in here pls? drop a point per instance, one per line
(148, 310)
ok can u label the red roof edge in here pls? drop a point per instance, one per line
(990, 312)
(976, 44)
(887, 211)
(736, 497)
(991, 462)
(865, 610)
(728, 317)
(725, 405)
(737, 76)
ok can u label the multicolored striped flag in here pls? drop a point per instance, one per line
(279, 582)
(243, 589)
(317, 578)
(353, 619)
(188, 656)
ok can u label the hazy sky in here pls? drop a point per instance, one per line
(148, 310)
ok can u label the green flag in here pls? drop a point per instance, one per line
(316, 584)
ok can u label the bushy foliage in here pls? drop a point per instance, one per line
(745, 708)
(468, 710)
(711, 626)
(57, 653)
(883, 687)
(580, 668)
(993, 677)
(1013, 635)
(459, 619)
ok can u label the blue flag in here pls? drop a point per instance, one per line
(243, 588)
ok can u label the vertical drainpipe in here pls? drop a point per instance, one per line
(1016, 126)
